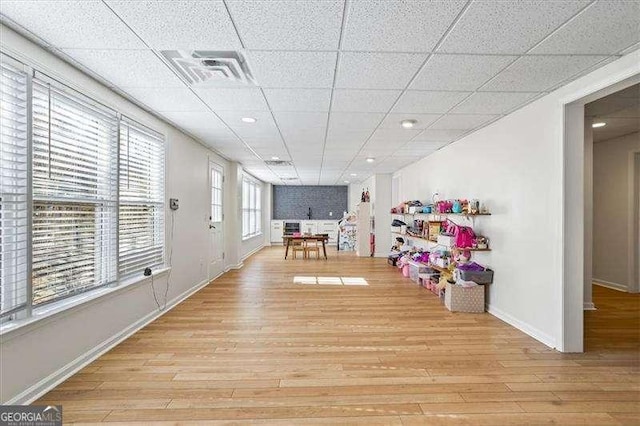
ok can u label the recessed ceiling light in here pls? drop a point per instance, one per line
(598, 124)
(354, 174)
(249, 119)
(408, 124)
(274, 158)
(346, 181)
(370, 160)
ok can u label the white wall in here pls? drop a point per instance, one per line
(612, 232)
(40, 354)
(516, 167)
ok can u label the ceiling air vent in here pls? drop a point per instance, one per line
(288, 178)
(278, 163)
(202, 67)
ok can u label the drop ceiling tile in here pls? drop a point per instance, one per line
(295, 120)
(510, 27)
(492, 102)
(605, 27)
(363, 70)
(293, 69)
(309, 137)
(263, 142)
(167, 99)
(539, 73)
(392, 121)
(288, 25)
(234, 118)
(264, 127)
(194, 120)
(394, 135)
(189, 25)
(354, 121)
(392, 25)
(224, 99)
(431, 135)
(347, 137)
(462, 121)
(459, 72)
(296, 100)
(419, 102)
(426, 145)
(72, 24)
(345, 100)
(127, 68)
(334, 155)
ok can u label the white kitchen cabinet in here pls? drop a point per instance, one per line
(309, 226)
(277, 229)
(329, 227)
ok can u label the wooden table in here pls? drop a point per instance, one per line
(286, 240)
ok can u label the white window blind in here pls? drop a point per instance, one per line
(141, 228)
(13, 188)
(251, 208)
(74, 193)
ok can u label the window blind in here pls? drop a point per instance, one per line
(251, 208)
(74, 164)
(13, 188)
(141, 215)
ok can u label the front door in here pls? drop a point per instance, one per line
(216, 217)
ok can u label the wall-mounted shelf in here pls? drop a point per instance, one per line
(443, 214)
(435, 243)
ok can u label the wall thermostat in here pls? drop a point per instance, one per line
(173, 203)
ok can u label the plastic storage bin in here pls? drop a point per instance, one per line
(415, 269)
(478, 277)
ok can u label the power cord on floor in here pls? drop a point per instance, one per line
(163, 306)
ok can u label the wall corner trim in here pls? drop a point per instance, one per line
(45, 385)
(523, 326)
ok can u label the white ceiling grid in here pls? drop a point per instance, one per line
(335, 77)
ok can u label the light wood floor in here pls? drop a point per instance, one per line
(255, 347)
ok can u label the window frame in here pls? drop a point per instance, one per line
(30, 313)
(251, 208)
(75, 199)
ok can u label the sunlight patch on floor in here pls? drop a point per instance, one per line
(330, 280)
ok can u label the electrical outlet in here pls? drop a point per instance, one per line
(173, 203)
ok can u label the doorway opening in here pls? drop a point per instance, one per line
(600, 225)
(612, 141)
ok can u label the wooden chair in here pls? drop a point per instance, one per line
(313, 246)
(298, 245)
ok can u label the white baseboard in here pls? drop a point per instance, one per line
(251, 253)
(609, 284)
(589, 306)
(48, 383)
(236, 266)
(523, 326)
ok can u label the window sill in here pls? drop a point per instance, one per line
(40, 316)
(248, 237)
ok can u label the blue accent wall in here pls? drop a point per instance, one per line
(293, 202)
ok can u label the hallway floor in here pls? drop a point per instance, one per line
(349, 341)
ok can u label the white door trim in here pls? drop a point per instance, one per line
(634, 222)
